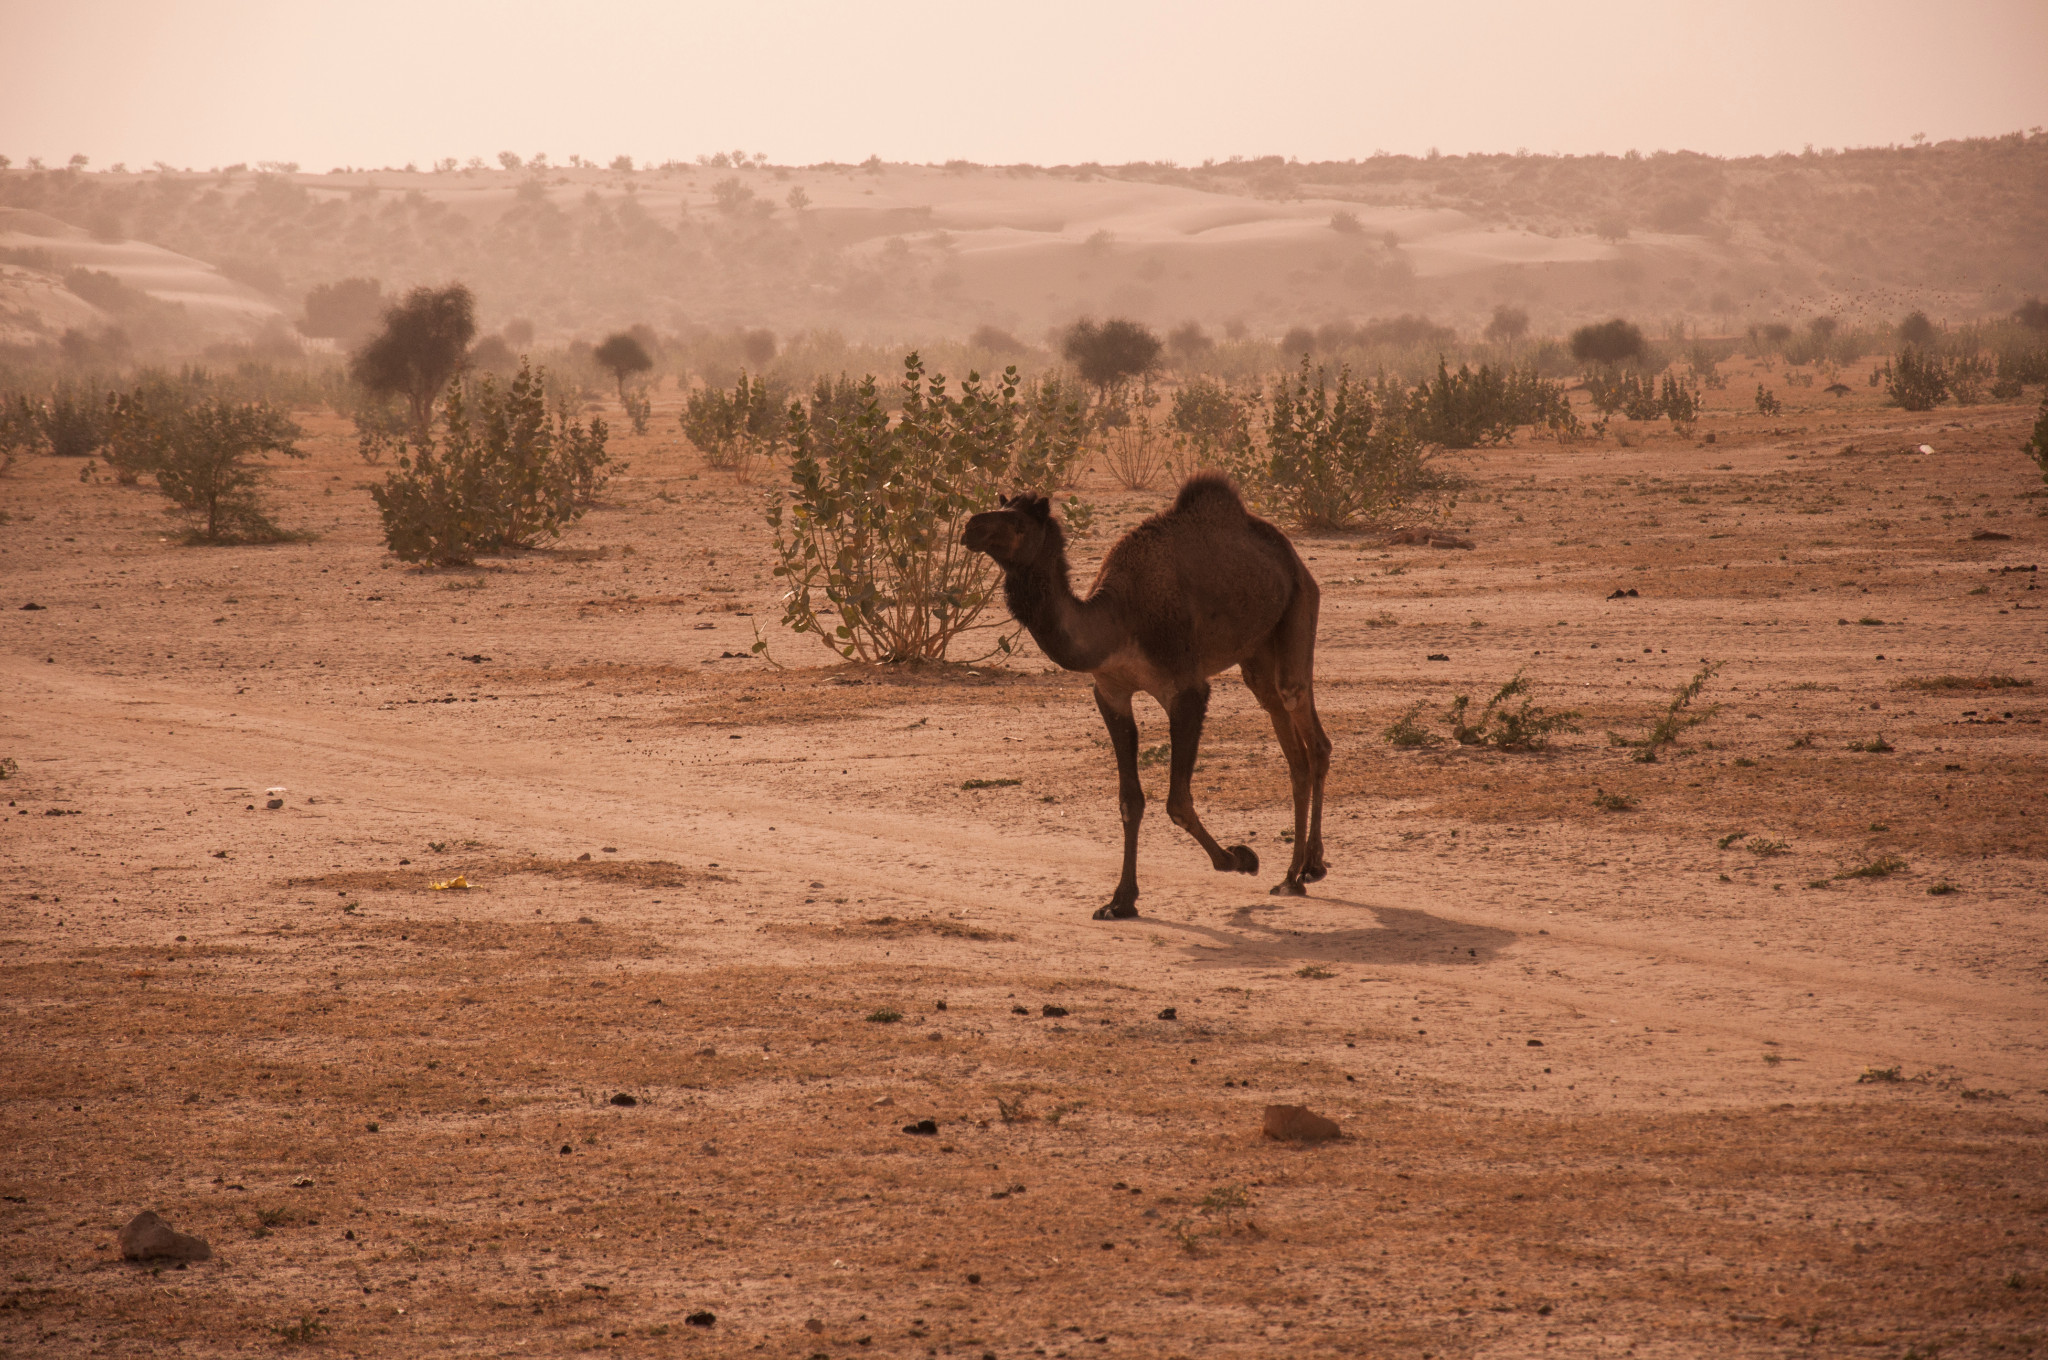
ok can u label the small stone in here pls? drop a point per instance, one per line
(882, 1102)
(974, 1278)
(1169, 1014)
(1052, 1012)
(583, 858)
(302, 1183)
(148, 1238)
(923, 1128)
(1535, 1043)
(623, 1100)
(814, 1326)
(274, 804)
(703, 1317)
(1297, 1124)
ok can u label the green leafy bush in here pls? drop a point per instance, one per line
(201, 454)
(73, 421)
(1335, 454)
(1506, 727)
(1915, 379)
(1767, 403)
(1679, 717)
(504, 474)
(868, 529)
(1211, 426)
(733, 429)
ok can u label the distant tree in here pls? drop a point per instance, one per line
(1299, 341)
(1345, 222)
(1608, 342)
(492, 355)
(2033, 314)
(1611, 227)
(1771, 338)
(421, 347)
(733, 197)
(1916, 330)
(348, 310)
(759, 347)
(623, 163)
(1509, 324)
(201, 457)
(518, 332)
(1823, 328)
(798, 200)
(1188, 341)
(1111, 353)
(510, 160)
(623, 355)
(994, 340)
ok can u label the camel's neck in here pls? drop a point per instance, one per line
(1066, 628)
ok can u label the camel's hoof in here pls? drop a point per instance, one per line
(1315, 873)
(1246, 857)
(1116, 911)
(1289, 888)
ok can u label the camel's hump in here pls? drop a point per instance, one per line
(1210, 491)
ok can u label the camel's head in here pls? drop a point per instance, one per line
(1017, 533)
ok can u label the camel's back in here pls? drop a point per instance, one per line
(1206, 572)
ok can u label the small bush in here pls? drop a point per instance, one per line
(504, 475)
(1679, 716)
(1877, 745)
(1467, 409)
(733, 429)
(2036, 446)
(1212, 426)
(1884, 866)
(201, 455)
(1408, 734)
(1614, 802)
(887, 1015)
(869, 525)
(1335, 455)
(1609, 342)
(1916, 380)
(74, 421)
(1110, 354)
(1767, 403)
(1523, 727)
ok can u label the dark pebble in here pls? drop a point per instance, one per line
(702, 1318)
(923, 1127)
(1169, 1014)
(1052, 1012)
(623, 1099)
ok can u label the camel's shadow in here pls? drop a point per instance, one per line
(1402, 935)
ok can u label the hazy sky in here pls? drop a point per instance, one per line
(376, 82)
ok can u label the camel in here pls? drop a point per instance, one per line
(1186, 595)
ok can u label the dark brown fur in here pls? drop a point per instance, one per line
(1186, 595)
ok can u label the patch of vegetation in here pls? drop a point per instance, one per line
(1337, 454)
(1916, 379)
(1408, 734)
(1614, 802)
(305, 1331)
(1879, 1075)
(1314, 972)
(203, 455)
(503, 475)
(1679, 716)
(421, 349)
(990, 783)
(1876, 745)
(885, 1016)
(734, 430)
(1942, 889)
(1884, 866)
(1965, 682)
(1468, 409)
(1729, 839)
(869, 526)
(1521, 727)
(1764, 849)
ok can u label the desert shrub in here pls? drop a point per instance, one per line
(203, 453)
(1407, 733)
(1189, 341)
(1916, 379)
(1624, 392)
(1134, 450)
(869, 526)
(1679, 716)
(1967, 376)
(422, 346)
(1509, 324)
(1335, 454)
(2033, 314)
(1679, 401)
(1767, 403)
(1211, 425)
(1506, 726)
(72, 421)
(1609, 342)
(733, 429)
(138, 417)
(1055, 432)
(505, 474)
(1915, 331)
(1465, 409)
(1110, 354)
(2036, 446)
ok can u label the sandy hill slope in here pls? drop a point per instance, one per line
(890, 251)
(55, 277)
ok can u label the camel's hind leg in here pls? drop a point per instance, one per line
(1281, 675)
(1186, 714)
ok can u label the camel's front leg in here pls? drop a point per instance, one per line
(1123, 739)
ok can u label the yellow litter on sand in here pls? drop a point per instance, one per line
(459, 881)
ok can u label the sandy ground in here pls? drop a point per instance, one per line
(1611, 1083)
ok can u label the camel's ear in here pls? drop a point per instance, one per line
(1038, 506)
